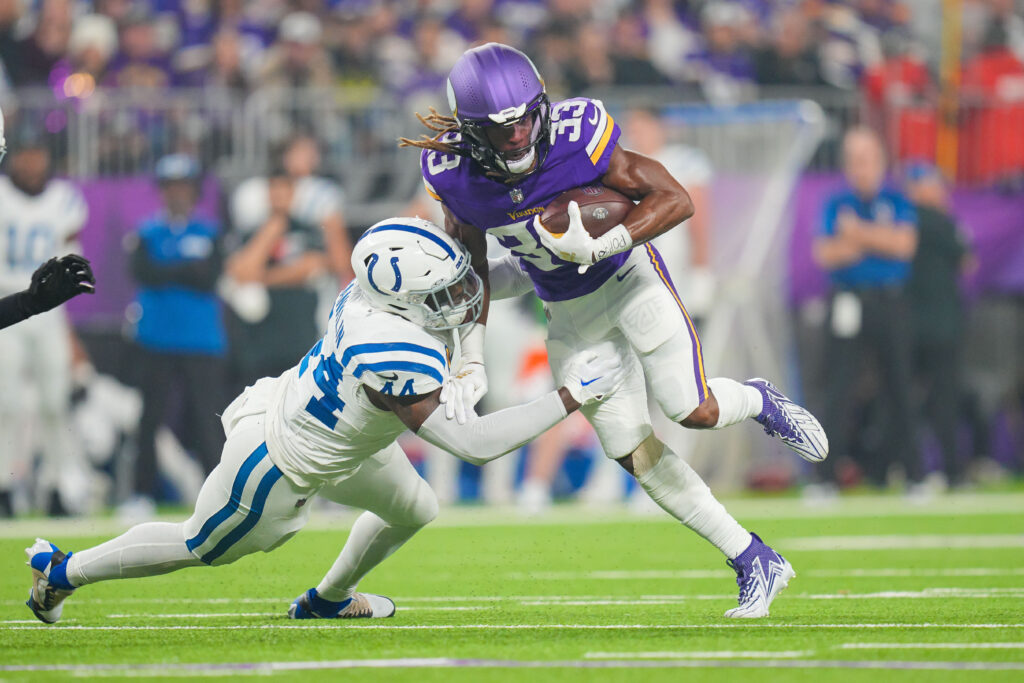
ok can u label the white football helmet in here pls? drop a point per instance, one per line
(411, 267)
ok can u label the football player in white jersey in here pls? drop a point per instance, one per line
(328, 426)
(39, 219)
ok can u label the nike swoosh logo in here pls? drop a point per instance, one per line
(594, 119)
(622, 277)
(392, 378)
(589, 381)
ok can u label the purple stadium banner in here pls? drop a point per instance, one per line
(117, 206)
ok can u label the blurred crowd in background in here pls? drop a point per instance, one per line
(230, 152)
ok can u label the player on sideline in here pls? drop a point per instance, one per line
(495, 164)
(328, 427)
(53, 283)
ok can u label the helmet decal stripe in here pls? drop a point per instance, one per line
(369, 270)
(398, 274)
(419, 231)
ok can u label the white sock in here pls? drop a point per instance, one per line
(370, 542)
(144, 550)
(736, 402)
(680, 491)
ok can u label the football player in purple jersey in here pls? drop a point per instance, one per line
(502, 156)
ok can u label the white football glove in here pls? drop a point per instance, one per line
(461, 393)
(577, 246)
(591, 377)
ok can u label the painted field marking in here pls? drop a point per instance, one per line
(931, 646)
(713, 654)
(903, 542)
(335, 624)
(698, 574)
(233, 668)
(217, 615)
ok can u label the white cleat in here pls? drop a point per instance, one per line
(45, 600)
(761, 574)
(310, 605)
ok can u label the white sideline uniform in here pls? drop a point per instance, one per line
(314, 431)
(637, 313)
(35, 355)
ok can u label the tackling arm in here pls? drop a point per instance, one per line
(480, 439)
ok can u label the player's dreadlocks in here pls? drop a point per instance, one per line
(441, 125)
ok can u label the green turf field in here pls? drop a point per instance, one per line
(884, 592)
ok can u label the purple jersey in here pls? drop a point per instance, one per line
(583, 137)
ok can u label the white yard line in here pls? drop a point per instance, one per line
(218, 615)
(698, 574)
(712, 654)
(518, 627)
(931, 646)
(242, 668)
(901, 542)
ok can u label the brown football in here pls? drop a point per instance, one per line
(602, 208)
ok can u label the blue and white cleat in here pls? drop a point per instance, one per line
(761, 574)
(793, 424)
(310, 605)
(45, 599)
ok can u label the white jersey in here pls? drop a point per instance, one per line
(320, 425)
(34, 229)
(314, 200)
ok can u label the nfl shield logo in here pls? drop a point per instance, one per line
(517, 196)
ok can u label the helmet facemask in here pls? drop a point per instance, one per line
(454, 304)
(496, 162)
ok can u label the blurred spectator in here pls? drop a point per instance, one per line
(41, 218)
(938, 311)
(140, 62)
(224, 69)
(723, 67)
(671, 37)
(92, 45)
(791, 57)
(298, 58)
(686, 248)
(900, 97)
(176, 259)
(630, 60)
(992, 95)
(848, 47)
(592, 65)
(866, 242)
(315, 201)
(32, 58)
(282, 256)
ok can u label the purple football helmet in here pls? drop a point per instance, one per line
(494, 90)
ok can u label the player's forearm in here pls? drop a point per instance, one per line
(657, 213)
(890, 241)
(482, 439)
(832, 253)
(15, 308)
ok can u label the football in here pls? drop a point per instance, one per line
(602, 208)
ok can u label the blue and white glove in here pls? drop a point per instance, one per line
(592, 377)
(577, 246)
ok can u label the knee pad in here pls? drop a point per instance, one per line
(647, 455)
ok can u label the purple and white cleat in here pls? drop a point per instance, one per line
(761, 574)
(793, 424)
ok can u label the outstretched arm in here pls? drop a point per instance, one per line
(482, 439)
